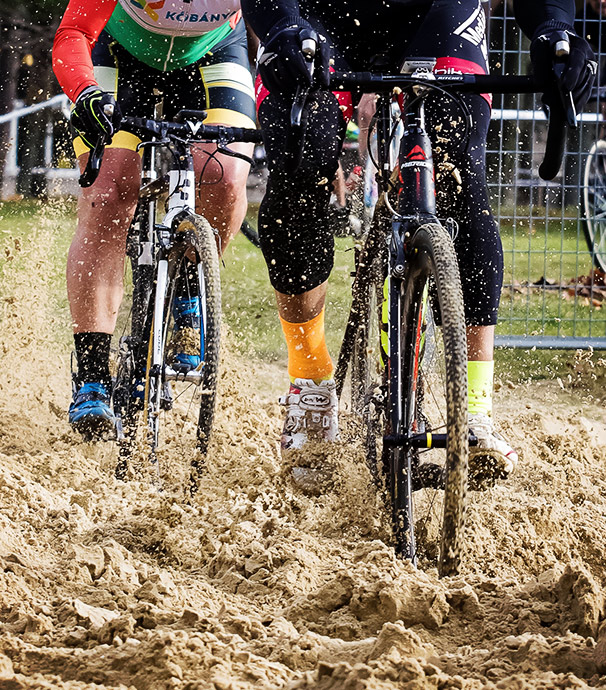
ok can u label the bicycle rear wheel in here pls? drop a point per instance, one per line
(427, 394)
(368, 367)
(594, 204)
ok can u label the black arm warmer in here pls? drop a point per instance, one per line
(262, 15)
(530, 15)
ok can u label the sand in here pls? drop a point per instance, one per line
(253, 584)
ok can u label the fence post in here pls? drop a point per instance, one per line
(9, 65)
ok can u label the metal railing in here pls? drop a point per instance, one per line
(46, 169)
(553, 296)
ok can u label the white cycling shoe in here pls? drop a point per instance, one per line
(492, 458)
(312, 421)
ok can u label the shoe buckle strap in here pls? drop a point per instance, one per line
(91, 396)
(293, 423)
(289, 399)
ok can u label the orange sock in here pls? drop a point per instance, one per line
(308, 356)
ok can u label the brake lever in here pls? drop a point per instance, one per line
(93, 165)
(558, 117)
(151, 144)
(561, 46)
(309, 42)
(95, 156)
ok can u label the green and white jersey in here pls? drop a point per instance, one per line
(168, 34)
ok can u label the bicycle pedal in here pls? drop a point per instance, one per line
(185, 374)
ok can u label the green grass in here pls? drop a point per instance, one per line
(553, 249)
(37, 234)
(249, 303)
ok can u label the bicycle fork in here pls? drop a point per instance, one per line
(181, 202)
(415, 207)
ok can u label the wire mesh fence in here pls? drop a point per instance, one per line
(554, 233)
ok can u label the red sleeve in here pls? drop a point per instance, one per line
(80, 27)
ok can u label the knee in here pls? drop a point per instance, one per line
(106, 212)
(120, 194)
(113, 195)
(229, 190)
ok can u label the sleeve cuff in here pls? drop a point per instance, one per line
(552, 25)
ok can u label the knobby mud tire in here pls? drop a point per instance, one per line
(432, 277)
(194, 243)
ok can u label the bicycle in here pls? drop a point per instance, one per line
(405, 339)
(594, 194)
(173, 259)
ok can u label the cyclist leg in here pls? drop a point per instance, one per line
(95, 265)
(221, 194)
(297, 243)
(458, 38)
(222, 85)
(95, 269)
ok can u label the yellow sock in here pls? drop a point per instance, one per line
(308, 356)
(479, 387)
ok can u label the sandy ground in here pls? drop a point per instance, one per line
(106, 584)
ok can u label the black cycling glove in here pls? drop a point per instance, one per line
(282, 64)
(579, 67)
(96, 114)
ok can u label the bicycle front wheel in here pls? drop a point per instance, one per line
(181, 371)
(427, 398)
(594, 204)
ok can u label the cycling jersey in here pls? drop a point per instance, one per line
(219, 83)
(164, 34)
(169, 34)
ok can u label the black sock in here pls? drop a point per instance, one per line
(92, 352)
